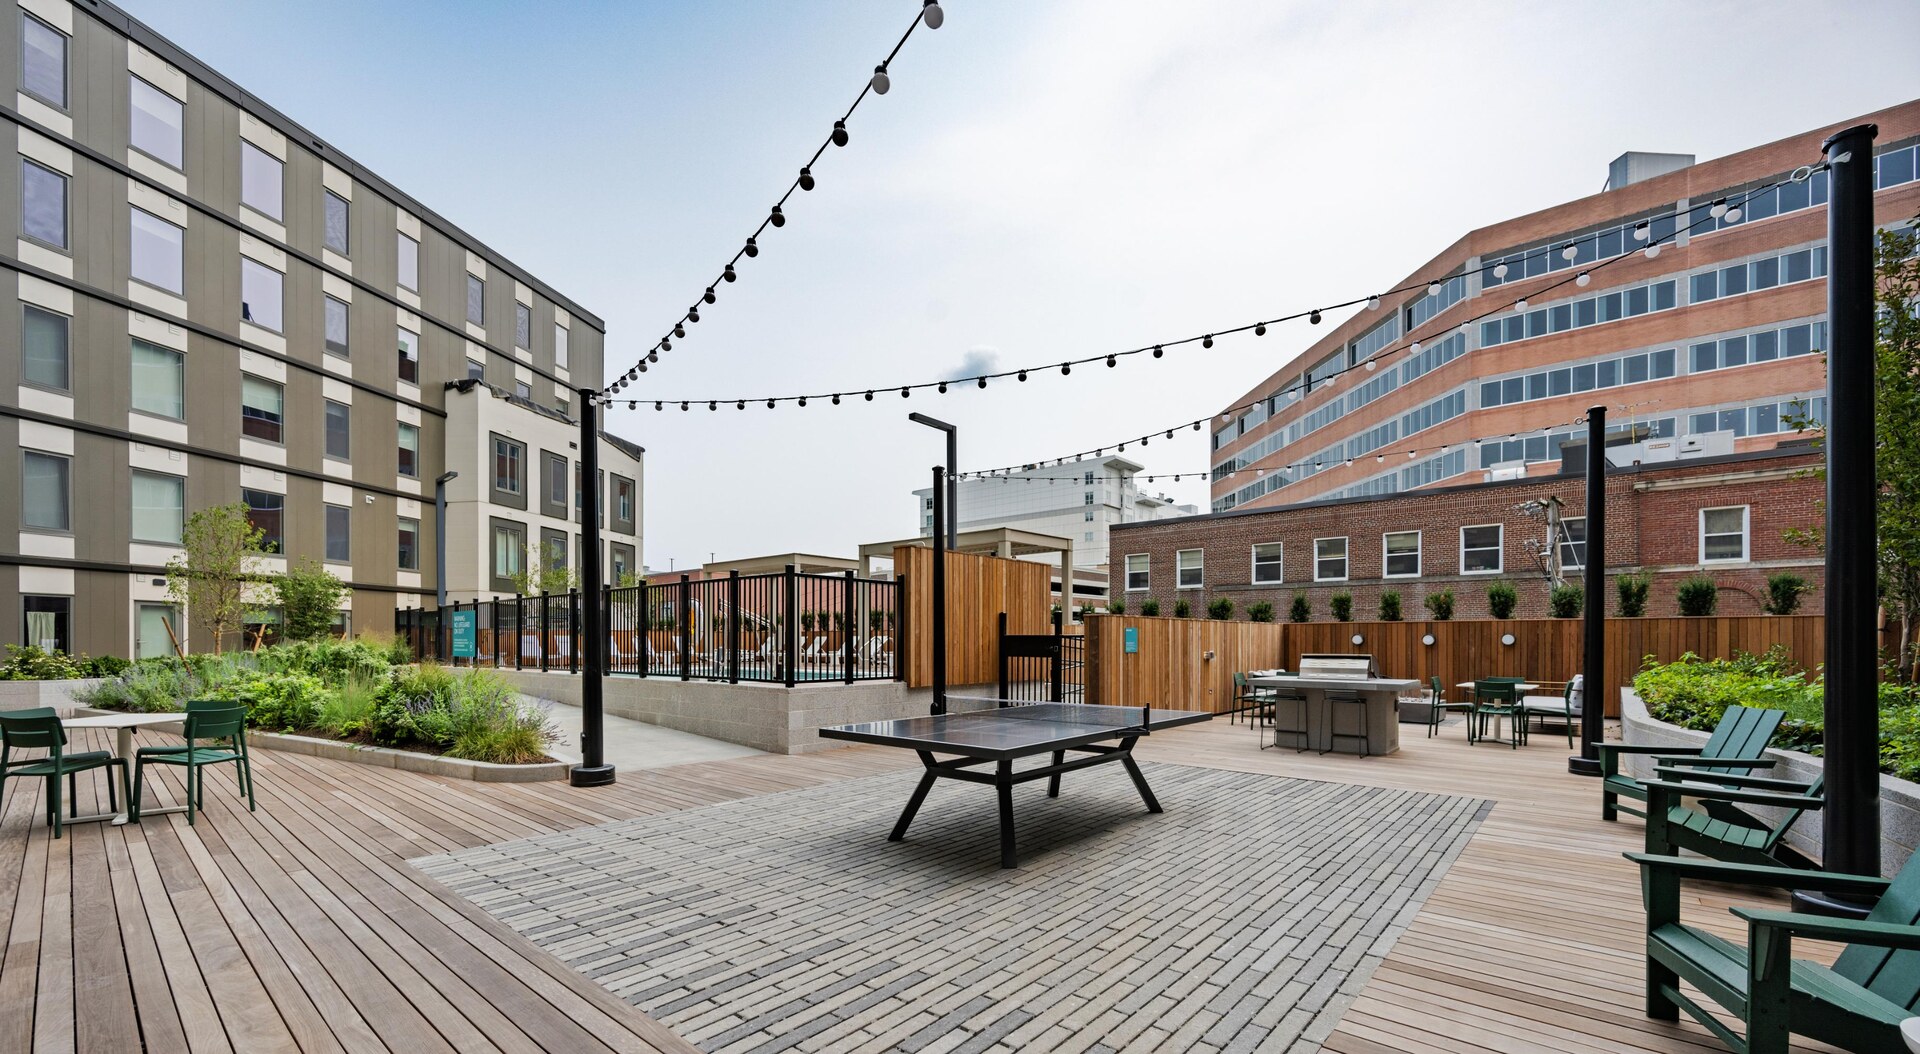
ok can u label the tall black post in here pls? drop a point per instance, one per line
(939, 591)
(953, 472)
(1850, 823)
(593, 770)
(1593, 667)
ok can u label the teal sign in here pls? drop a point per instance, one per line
(465, 626)
(1133, 640)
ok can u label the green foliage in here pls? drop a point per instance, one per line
(210, 579)
(333, 662)
(1260, 611)
(1631, 591)
(26, 662)
(1440, 605)
(475, 715)
(546, 572)
(276, 702)
(1502, 598)
(1693, 692)
(1342, 604)
(1566, 601)
(1085, 611)
(1698, 596)
(1390, 606)
(1117, 607)
(105, 665)
(1150, 607)
(1220, 609)
(877, 620)
(1182, 609)
(1784, 590)
(806, 621)
(1301, 610)
(309, 599)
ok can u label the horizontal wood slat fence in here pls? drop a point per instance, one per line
(979, 588)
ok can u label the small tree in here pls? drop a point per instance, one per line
(1220, 609)
(546, 572)
(1566, 601)
(1182, 609)
(1502, 598)
(1342, 604)
(1784, 591)
(1390, 606)
(1631, 590)
(877, 620)
(210, 579)
(1260, 611)
(1698, 596)
(1301, 611)
(807, 619)
(309, 599)
(1440, 605)
(1150, 608)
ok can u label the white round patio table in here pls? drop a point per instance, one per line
(123, 725)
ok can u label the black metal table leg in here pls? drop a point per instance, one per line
(1139, 778)
(1004, 784)
(919, 796)
(1053, 781)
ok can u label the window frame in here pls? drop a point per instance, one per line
(400, 430)
(561, 352)
(1564, 543)
(66, 62)
(133, 516)
(1253, 570)
(400, 547)
(522, 326)
(407, 339)
(476, 300)
(133, 257)
(66, 348)
(1746, 535)
(65, 181)
(1387, 554)
(63, 620)
(263, 272)
(278, 422)
(327, 431)
(327, 198)
(276, 541)
(65, 461)
(279, 214)
(345, 350)
(516, 454)
(1345, 558)
(179, 359)
(1499, 549)
(327, 539)
(1146, 573)
(1180, 569)
(133, 81)
(401, 239)
(513, 529)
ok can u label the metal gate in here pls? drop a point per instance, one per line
(1042, 667)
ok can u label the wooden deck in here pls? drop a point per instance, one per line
(301, 927)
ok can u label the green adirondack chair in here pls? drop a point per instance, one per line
(214, 737)
(1736, 745)
(1719, 829)
(1857, 1004)
(39, 728)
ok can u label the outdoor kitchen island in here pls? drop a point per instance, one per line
(1334, 704)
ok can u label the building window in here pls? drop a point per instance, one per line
(523, 389)
(623, 500)
(1329, 559)
(43, 204)
(410, 357)
(261, 405)
(508, 459)
(157, 124)
(408, 553)
(1139, 572)
(159, 507)
(1089, 500)
(45, 487)
(476, 301)
(1573, 542)
(262, 292)
(409, 464)
(155, 627)
(1400, 554)
(339, 430)
(1190, 568)
(560, 346)
(522, 325)
(1089, 515)
(262, 181)
(46, 623)
(409, 263)
(557, 481)
(339, 533)
(1723, 534)
(509, 551)
(1480, 549)
(334, 227)
(1269, 563)
(43, 61)
(335, 312)
(156, 252)
(476, 370)
(159, 381)
(265, 513)
(44, 349)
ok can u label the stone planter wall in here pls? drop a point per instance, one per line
(1899, 799)
(27, 695)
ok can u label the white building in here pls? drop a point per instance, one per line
(1077, 500)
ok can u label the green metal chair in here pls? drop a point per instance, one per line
(223, 729)
(1249, 700)
(1497, 698)
(39, 728)
(1438, 707)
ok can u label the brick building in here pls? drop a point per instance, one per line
(1725, 516)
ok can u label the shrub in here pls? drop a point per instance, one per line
(1301, 610)
(276, 702)
(1566, 601)
(1502, 598)
(1182, 609)
(1440, 605)
(107, 666)
(1085, 611)
(1260, 611)
(1220, 609)
(1342, 605)
(1390, 606)
(1117, 607)
(309, 598)
(1150, 607)
(1698, 596)
(1784, 591)
(26, 662)
(1632, 593)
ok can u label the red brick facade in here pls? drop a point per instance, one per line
(1654, 525)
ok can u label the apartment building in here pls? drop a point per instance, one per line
(1696, 312)
(212, 304)
(1080, 500)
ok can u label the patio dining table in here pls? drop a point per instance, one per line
(124, 726)
(1519, 688)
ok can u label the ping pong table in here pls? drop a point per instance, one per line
(1006, 733)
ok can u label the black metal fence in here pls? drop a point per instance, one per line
(1042, 667)
(785, 628)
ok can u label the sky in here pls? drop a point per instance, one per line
(1047, 179)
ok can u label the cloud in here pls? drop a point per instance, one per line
(979, 359)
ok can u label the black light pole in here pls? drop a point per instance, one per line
(1850, 823)
(953, 472)
(1593, 670)
(440, 538)
(939, 593)
(593, 771)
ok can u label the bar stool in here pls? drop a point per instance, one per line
(1337, 699)
(1300, 731)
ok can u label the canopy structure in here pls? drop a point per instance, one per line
(1005, 542)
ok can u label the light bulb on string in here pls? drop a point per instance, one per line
(770, 403)
(1066, 368)
(1653, 250)
(1499, 270)
(693, 313)
(802, 402)
(752, 249)
(1520, 304)
(983, 382)
(1023, 375)
(806, 178)
(683, 407)
(1433, 288)
(932, 15)
(667, 345)
(880, 80)
(708, 296)
(1112, 362)
(741, 405)
(836, 398)
(906, 393)
(1260, 329)
(1569, 252)
(1207, 341)
(839, 133)
(1371, 365)
(728, 274)
(1718, 208)
(1415, 349)
(1373, 303)
(869, 396)
(943, 387)
(1640, 232)
(777, 218)
(1733, 214)
(1314, 316)
(1583, 279)
(679, 329)
(657, 405)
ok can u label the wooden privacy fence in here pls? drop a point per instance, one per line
(1172, 669)
(979, 588)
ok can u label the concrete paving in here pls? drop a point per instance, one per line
(637, 745)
